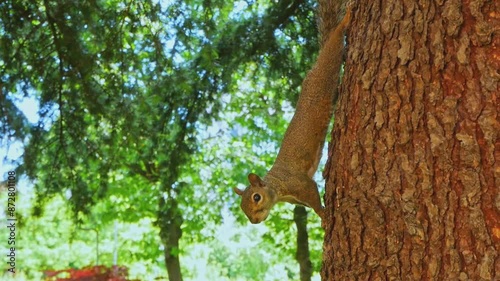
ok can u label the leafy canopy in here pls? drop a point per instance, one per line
(144, 101)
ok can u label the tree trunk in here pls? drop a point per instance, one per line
(172, 263)
(170, 222)
(413, 174)
(302, 256)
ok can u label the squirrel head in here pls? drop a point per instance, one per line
(257, 199)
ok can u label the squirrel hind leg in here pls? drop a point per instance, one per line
(347, 18)
(315, 199)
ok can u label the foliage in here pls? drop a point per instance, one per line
(145, 106)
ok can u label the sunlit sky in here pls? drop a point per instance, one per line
(29, 106)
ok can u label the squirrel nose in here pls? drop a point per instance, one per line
(255, 221)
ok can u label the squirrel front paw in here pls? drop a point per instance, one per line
(321, 213)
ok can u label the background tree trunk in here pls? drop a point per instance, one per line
(413, 174)
(170, 221)
(302, 255)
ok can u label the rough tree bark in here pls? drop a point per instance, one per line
(413, 174)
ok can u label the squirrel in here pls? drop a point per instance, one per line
(291, 177)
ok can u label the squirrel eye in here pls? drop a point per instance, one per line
(256, 197)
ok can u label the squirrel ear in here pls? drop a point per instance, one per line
(238, 191)
(255, 180)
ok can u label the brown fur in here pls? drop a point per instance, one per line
(291, 177)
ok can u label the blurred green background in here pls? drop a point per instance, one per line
(130, 122)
